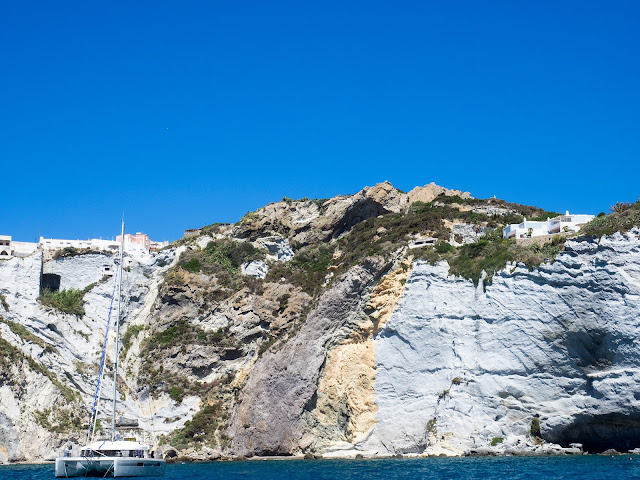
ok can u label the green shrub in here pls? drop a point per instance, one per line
(175, 276)
(544, 216)
(213, 228)
(287, 200)
(176, 394)
(456, 381)
(484, 255)
(320, 204)
(3, 302)
(59, 420)
(496, 440)
(132, 332)
(183, 333)
(68, 252)
(451, 199)
(229, 254)
(491, 254)
(534, 430)
(222, 259)
(443, 247)
(67, 301)
(248, 218)
(193, 265)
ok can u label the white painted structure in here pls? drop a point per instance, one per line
(138, 244)
(58, 244)
(5, 246)
(566, 223)
(159, 245)
(569, 223)
(10, 248)
(23, 249)
(422, 242)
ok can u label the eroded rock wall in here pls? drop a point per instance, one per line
(458, 366)
(272, 415)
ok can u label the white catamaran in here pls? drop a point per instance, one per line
(117, 457)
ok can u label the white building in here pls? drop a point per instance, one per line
(159, 245)
(5, 246)
(10, 248)
(58, 244)
(566, 223)
(138, 244)
(23, 249)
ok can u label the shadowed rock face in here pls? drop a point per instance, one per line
(358, 212)
(598, 433)
(270, 416)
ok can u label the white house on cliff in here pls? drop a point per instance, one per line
(566, 223)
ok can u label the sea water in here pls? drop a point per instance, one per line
(589, 467)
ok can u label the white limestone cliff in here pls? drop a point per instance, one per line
(459, 367)
(63, 348)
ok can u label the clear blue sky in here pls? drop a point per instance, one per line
(186, 113)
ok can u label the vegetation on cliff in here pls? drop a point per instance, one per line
(67, 300)
(220, 263)
(491, 254)
(69, 252)
(206, 427)
(210, 279)
(624, 216)
(306, 270)
(12, 357)
(22, 332)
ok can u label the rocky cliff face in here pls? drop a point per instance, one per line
(459, 366)
(50, 359)
(310, 328)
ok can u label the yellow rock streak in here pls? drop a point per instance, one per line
(346, 389)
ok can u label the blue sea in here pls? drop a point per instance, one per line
(582, 467)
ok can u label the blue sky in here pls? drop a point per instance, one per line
(181, 114)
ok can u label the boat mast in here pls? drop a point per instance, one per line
(115, 354)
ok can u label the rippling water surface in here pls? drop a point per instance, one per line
(583, 467)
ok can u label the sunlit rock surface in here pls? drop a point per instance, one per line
(386, 356)
(459, 366)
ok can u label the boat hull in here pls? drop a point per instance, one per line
(109, 467)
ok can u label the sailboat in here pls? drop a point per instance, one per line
(117, 456)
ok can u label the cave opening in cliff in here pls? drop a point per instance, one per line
(50, 281)
(601, 432)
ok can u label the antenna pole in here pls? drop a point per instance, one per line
(115, 360)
